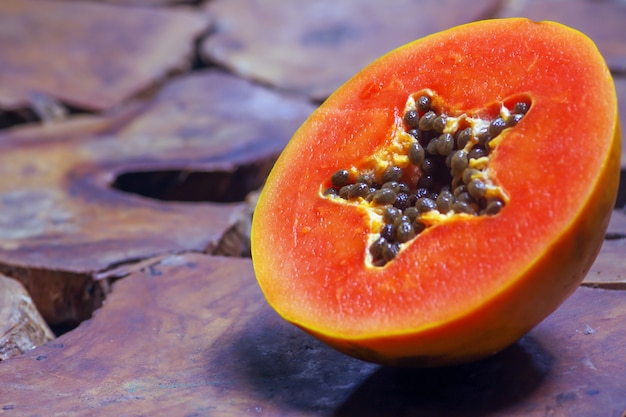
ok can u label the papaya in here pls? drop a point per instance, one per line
(445, 199)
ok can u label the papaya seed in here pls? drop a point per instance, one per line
(423, 103)
(393, 173)
(416, 154)
(448, 181)
(412, 118)
(427, 121)
(340, 178)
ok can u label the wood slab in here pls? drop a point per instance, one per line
(65, 216)
(90, 55)
(21, 326)
(620, 88)
(314, 47)
(602, 21)
(609, 269)
(192, 335)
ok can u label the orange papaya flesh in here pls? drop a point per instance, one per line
(468, 285)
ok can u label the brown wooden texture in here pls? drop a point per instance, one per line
(163, 167)
(313, 47)
(88, 54)
(62, 221)
(609, 269)
(21, 326)
(600, 20)
(620, 87)
(192, 335)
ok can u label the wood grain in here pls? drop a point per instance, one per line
(314, 47)
(21, 326)
(62, 221)
(90, 55)
(192, 335)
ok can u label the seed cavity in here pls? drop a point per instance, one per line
(436, 168)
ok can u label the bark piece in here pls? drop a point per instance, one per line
(602, 21)
(314, 47)
(90, 55)
(609, 269)
(193, 334)
(62, 221)
(21, 326)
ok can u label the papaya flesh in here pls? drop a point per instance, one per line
(466, 284)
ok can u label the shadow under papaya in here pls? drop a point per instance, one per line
(287, 369)
(476, 389)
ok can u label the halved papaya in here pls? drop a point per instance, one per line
(447, 198)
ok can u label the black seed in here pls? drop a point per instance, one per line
(390, 214)
(427, 120)
(384, 196)
(494, 207)
(514, 119)
(404, 231)
(386, 231)
(412, 118)
(403, 188)
(416, 154)
(482, 138)
(464, 198)
(477, 152)
(358, 190)
(400, 219)
(463, 137)
(416, 133)
(445, 200)
(411, 213)
(496, 126)
(462, 207)
(460, 189)
(439, 123)
(365, 179)
(392, 185)
(459, 162)
(422, 192)
(445, 144)
(390, 251)
(418, 227)
(330, 191)
(477, 188)
(426, 181)
(431, 148)
(392, 173)
(520, 108)
(376, 248)
(425, 204)
(468, 174)
(340, 178)
(402, 201)
(344, 192)
(428, 166)
(424, 103)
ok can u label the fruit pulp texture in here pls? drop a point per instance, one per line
(319, 278)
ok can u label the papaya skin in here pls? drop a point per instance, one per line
(515, 268)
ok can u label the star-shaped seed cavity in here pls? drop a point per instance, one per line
(435, 167)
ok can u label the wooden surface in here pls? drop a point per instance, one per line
(22, 328)
(62, 221)
(133, 137)
(224, 352)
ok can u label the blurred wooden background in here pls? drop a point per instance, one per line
(133, 136)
